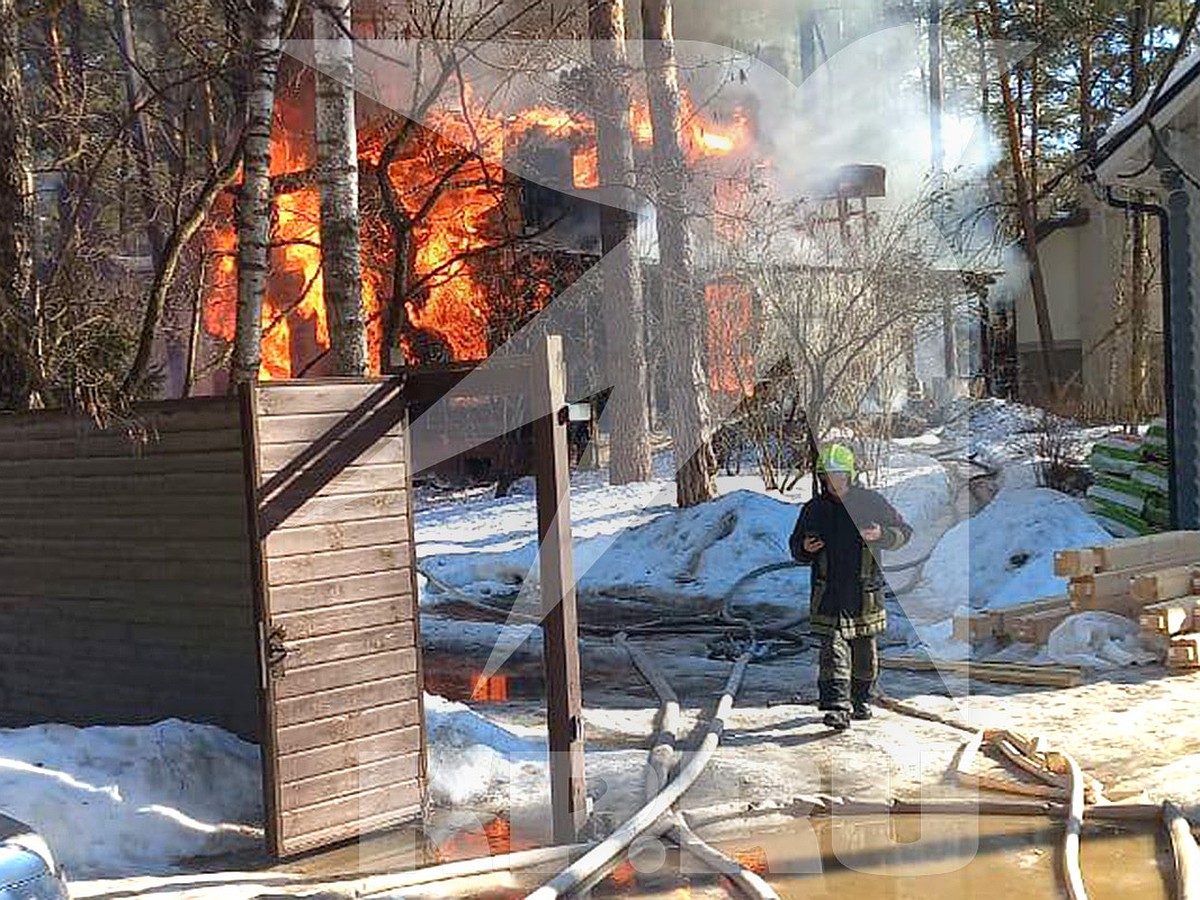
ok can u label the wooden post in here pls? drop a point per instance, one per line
(564, 696)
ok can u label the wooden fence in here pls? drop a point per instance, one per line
(246, 563)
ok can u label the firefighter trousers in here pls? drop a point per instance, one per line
(848, 669)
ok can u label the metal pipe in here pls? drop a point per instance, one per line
(1165, 279)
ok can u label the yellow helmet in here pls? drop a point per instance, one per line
(836, 458)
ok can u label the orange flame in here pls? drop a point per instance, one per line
(492, 688)
(585, 166)
(463, 200)
(730, 321)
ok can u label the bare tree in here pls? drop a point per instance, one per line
(255, 198)
(682, 300)
(629, 454)
(337, 177)
(841, 308)
(18, 306)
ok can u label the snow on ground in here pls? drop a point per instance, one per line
(631, 543)
(474, 761)
(115, 802)
(123, 800)
(1005, 554)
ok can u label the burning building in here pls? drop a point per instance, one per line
(457, 252)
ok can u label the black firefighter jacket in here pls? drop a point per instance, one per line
(847, 582)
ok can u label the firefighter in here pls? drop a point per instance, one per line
(839, 534)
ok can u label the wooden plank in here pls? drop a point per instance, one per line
(173, 522)
(112, 445)
(1172, 616)
(349, 755)
(317, 594)
(1073, 563)
(346, 616)
(336, 536)
(340, 701)
(1006, 673)
(215, 461)
(356, 480)
(346, 812)
(1000, 617)
(351, 726)
(198, 414)
(215, 574)
(344, 673)
(1163, 585)
(1150, 550)
(346, 508)
(167, 485)
(560, 629)
(231, 593)
(169, 547)
(276, 457)
(394, 557)
(361, 827)
(345, 645)
(287, 429)
(85, 507)
(1035, 628)
(318, 397)
(333, 785)
(972, 627)
(1184, 651)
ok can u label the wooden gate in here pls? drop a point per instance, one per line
(331, 534)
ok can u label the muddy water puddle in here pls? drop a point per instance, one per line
(883, 858)
(896, 858)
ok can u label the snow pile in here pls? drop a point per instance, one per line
(1005, 555)
(682, 556)
(918, 486)
(1098, 640)
(628, 549)
(473, 760)
(114, 801)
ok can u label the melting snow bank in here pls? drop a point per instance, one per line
(691, 557)
(120, 801)
(474, 761)
(114, 801)
(1005, 556)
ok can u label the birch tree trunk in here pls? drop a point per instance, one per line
(624, 309)
(337, 178)
(254, 200)
(695, 464)
(18, 304)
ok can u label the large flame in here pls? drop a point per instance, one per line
(460, 206)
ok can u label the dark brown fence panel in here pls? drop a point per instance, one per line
(343, 733)
(125, 580)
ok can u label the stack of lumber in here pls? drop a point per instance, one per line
(1131, 479)
(1029, 622)
(1154, 579)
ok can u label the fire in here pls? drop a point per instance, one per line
(493, 688)
(585, 168)
(730, 334)
(709, 137)
(460, 206)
